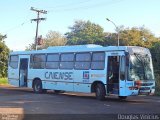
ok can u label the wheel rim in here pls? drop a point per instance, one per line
(97, 92)
(37, 87)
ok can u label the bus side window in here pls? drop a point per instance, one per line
(83, 61)
(52, 61)
(67, 61)
(38, 61)
(13, 62)
(98, 61)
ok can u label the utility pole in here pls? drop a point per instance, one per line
(38, 19)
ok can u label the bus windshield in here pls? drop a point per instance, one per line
(141, 67)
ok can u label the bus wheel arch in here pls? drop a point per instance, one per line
(99, 89)
(37, 85)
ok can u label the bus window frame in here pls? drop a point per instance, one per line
(13, 61)
(83, 61)
(60, 61)
(32, 61)
(99, 60)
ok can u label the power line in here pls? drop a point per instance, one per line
(16, 27)
(26, 21)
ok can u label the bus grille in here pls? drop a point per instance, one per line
(144, 88)
(146, 84)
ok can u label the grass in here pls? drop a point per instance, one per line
(3, 81)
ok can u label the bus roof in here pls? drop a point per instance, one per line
(84, 48)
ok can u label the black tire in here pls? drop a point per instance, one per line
(37, 86)
(122, 97)
(57, 91)
(44, 90)
(100, 92)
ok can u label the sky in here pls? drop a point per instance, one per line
(16, 17)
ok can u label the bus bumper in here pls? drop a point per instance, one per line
(146, 91)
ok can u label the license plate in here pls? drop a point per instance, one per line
(144, 91)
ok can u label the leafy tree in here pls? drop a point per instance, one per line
(110, 39)
(30, 47)
(137, 37)
(131, 37)
(85, 32)
(155, 51)
(52, 38)
(4, 51)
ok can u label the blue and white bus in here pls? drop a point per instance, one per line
(119, 70)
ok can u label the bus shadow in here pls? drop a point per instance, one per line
(107, 98)
(9, 91)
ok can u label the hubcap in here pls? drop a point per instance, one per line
(98, 91)
(37, 87)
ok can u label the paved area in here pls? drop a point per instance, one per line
(23, 101)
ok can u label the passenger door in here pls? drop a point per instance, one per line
(124, 83)
(117, 81)
(23, 72)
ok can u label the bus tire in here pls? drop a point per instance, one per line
(44, 90)
(100, 92)
(122, 97)
(57, 91)
(37, 86)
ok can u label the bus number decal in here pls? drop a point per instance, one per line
(59, 75)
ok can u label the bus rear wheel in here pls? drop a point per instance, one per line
(100, 91)
(37, 86)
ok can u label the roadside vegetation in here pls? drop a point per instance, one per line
(157, 85)
(3, 81)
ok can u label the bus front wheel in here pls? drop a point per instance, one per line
(37, 86)
(100, 91)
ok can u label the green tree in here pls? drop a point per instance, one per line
(155, 51)
(85, 32)
(52, 38)
(4, 51)
(137, 37)
(111, 39)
